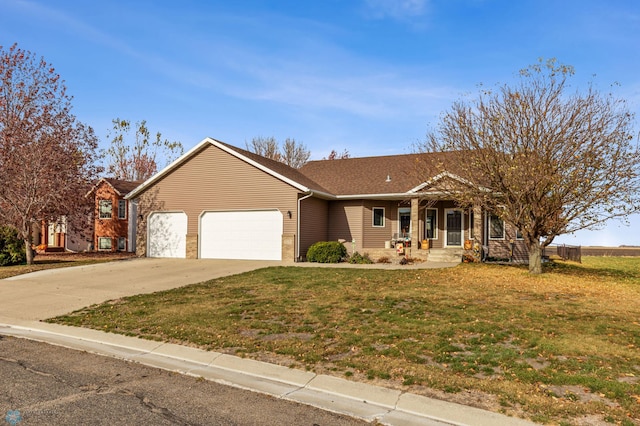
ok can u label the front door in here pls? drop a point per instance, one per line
(454, 228)
(404, 221)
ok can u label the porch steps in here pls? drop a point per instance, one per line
(51, 249)
(449, 255)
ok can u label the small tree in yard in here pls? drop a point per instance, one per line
(544, 159)
(140, 156)
(47, 157)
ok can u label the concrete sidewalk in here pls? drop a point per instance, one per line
(360, 400)
(32, 297)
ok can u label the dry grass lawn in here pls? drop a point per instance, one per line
(61, 260)
(560, 348)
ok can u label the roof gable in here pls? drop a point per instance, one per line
(274, 168)
(120, 187)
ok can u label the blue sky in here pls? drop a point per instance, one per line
(368, 76)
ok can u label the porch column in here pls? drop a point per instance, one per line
(45, 233)
(415, 223)
(477, 224)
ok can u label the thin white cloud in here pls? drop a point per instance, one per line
(81, 29)
(396, 9)
(305, 71)
(361, 87)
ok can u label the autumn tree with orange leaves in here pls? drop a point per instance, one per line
(47, 157)
(545, 158)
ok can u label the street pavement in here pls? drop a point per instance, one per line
(45, 384)
(29, 298)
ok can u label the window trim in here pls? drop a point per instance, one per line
(373, 217)
(435, 225)
(102, 203)
(100, 239)
(402, 211)
(446, 227)
(491, 216)
(122, 209)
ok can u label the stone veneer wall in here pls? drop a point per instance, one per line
(192, 246)
(288, 247)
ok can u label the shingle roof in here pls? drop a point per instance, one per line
(123, 186)
(331, 178)
(368, 175)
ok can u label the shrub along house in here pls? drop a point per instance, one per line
(219, 201)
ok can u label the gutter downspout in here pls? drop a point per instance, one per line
(310, 194)
(486, 232)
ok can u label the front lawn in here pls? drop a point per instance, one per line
(560, 348)
(61, 260)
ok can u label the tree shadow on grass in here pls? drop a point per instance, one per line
(581, 271)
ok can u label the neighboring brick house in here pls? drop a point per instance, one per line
(59, 236)
(115, 217)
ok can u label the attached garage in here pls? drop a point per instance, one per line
(255, 235)
(167, 234)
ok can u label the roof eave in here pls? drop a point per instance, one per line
(144, 185)
(392, 196)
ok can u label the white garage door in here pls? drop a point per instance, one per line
(167, 234)
(253, 235)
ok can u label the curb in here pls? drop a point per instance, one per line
(359, 400)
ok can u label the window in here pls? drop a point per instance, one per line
(122, 243)
(105, 209)
(378, 217)
(519, 235)
(104, 243)
(471, 235)
(404, 222)
(496, 227)
(122, 209)
(431, 224)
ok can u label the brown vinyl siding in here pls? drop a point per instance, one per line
(346, 222)
(501, 248)
(441, 206)
(314, 215)
(214, 180)
(374, 237)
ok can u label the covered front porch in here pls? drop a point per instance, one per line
(422, 224)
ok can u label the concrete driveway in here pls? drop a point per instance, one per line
(52, 292)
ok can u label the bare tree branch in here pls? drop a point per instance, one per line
(555, 161)
(139, 157)
(292, 154)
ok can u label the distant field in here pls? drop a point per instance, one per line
(603, 251)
